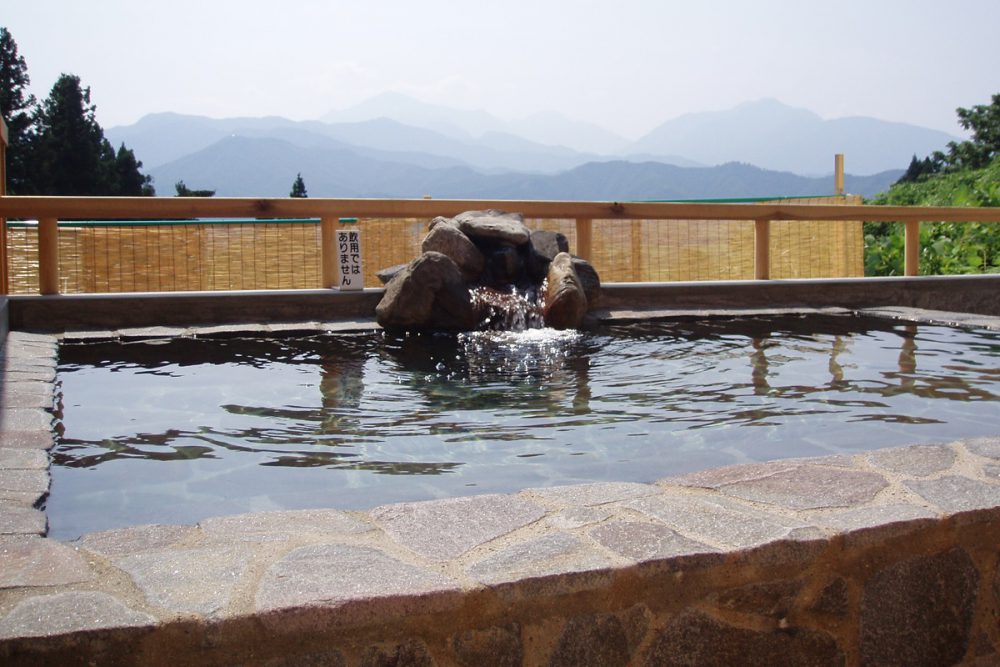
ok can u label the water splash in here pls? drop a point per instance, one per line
(512, 310)
(530, 355)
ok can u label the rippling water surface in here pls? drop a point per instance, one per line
(174, 431)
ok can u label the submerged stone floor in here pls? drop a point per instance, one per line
(884, 557)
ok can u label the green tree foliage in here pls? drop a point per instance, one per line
(967, 175)
(16, 107)
(946, 247)
(130, 181)
(185, 191)
(298, 188)
(984, 146)
(57, 147)
(918, 170)
(69, 154)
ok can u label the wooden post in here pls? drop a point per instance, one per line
(911, 249)
(328, 251)
(4, 279)
(48, 256)
(762, 249)
(584, 238)
(838, 174)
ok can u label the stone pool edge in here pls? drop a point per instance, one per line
(747, 557)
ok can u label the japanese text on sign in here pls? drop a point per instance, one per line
(349, 259)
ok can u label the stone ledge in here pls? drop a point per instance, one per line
(747, 561)
(469, 563)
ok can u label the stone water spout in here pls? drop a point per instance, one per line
(487, 270)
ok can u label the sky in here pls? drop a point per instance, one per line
(627, 65)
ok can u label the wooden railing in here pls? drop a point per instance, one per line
(4, 140)
(49, 210)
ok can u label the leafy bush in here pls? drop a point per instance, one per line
(945, 247)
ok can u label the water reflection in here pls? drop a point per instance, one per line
(428, 404)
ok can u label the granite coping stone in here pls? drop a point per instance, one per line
(445, 529)
(556, 556)
(17, 519)
(135, 539)
(321, 522)
(642, 542)
(64, 613)
(23, 459)
(188, 581)
(24, 419)
(589, 495)
(985, 447)
(42, 440)
(26, 487)
(721, 522)
(797, 486)
(956, 494)
(36, 561)
(334, 574)
(589, 531)
(26, 395)
(917, 461)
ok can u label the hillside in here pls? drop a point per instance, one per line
(773, 135)
(261, 166)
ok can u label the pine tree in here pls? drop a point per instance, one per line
(16, 108)
(919, 170)
(298, 188)
(131, 182)
(69, 154)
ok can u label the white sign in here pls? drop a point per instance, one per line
(349, 272)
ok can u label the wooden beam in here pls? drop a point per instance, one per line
(198, 207)
(4, 270)
(762, 249)
(328, 251)
(838, 174)
(911, 249)
(48, 256)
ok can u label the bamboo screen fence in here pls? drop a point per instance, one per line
(161, 256)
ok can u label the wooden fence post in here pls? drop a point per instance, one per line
(4, 276)
(762, 249)
(584, 238)
(838, 174)
(328, 251)
(911, 249)
(48, 256)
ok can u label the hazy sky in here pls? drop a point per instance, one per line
(625, 64)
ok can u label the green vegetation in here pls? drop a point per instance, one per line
(57, 147)
(298, 188)
(185, 191)
(967, 175)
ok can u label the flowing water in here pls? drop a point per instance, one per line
(175, 430)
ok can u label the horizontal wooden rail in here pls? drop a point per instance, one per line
(196, 207)
(586, 214)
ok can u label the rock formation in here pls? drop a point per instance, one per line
(486, 269)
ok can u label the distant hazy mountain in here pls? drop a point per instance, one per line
(772, 135)
(266, 166)
(547, 128)
(164, 137)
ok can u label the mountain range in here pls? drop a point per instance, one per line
(394, 146)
